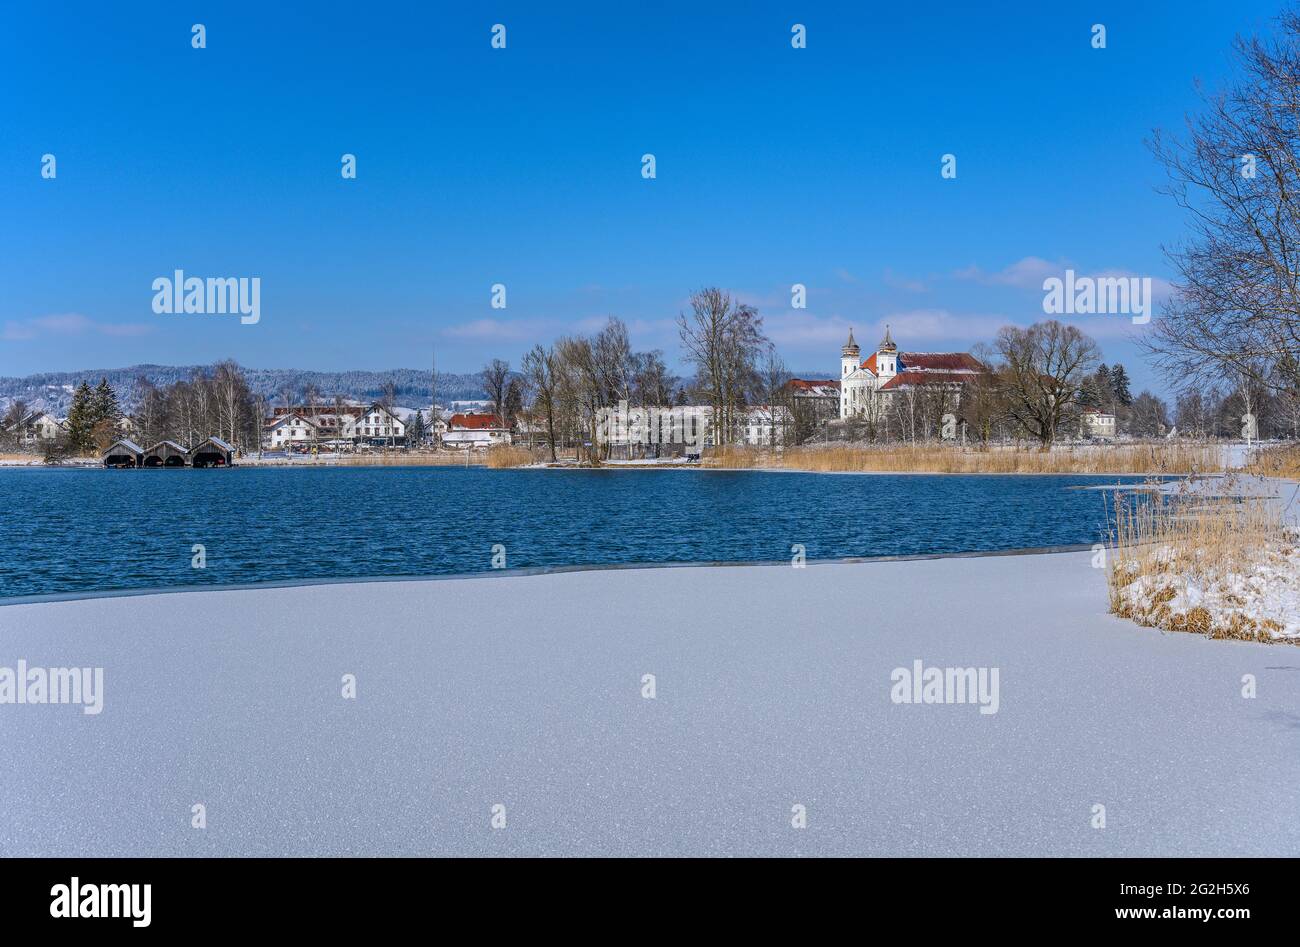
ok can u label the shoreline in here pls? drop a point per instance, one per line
(657, 467)
(521, 572)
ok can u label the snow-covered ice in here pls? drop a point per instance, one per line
(773, 689)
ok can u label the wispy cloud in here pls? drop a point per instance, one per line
(69, 324)
(897, 281)
(1026, 273)
(496, 329)
(914, 325)
(801, 329)
(1030, 272)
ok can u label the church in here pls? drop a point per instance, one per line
(867, 386)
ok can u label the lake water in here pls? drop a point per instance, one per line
(80, 531)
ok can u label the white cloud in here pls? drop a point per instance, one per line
(1026, 273)
(514, 330)
(69, 324)
(910, 326)
(1029, 273)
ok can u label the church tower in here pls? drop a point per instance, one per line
(886, 358)
(849, 356)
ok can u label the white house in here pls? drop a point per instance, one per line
(435, 424)
(290, 429)
(475, 430)
(1095, 423)
(39, 426)
(765, 425)
(378, 425)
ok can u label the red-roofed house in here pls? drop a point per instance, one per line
(475, 430)
(888, 370)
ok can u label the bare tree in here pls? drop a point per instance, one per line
(496, 377)
(1149, 416)
(433, 401)
(774, 384)
(1237, 175)
(723, 339)
(1041, 375)
(539, 369)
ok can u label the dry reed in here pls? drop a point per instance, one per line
(1164, 458)
(509, 455)
(1188, 561)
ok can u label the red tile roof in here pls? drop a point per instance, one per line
(805, 384)
(906, 379)
(932, 361)
(474, 422)
(940, 361)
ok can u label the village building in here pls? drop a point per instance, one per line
(765, 425)
(475, 430)
(378, 425)
(813, 401)
(872, 384)
(290, 429)
(37, 426)
(1096, 423)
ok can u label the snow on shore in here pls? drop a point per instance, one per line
(1253, 593)
(773, 689)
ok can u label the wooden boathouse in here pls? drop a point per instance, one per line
(214, 452)
(124, 453)
(165, 454)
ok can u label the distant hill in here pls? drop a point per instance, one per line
(52, 391)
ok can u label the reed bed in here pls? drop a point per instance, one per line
(509, 455)
(1163, 458)
(1219, 565)
(369, 459)
(1277, 462)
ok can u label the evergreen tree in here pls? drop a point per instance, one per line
(1119, 384)
(106, 413)
(81, 419)
(415, 429)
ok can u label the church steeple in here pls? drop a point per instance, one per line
(849, 357)
(886, 358)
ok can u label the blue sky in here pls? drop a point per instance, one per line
(522, 166)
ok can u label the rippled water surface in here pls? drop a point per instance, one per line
(73, 531)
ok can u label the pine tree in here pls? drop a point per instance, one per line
(81, 422)
(1119, 384)
(106, 412)
(1103, 380)
(415, 432)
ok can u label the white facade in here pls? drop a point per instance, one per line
(866, 388)
(1095, 423)
(378, 423)
(291, 429)
(857, 383)
(475, 430)
(765, 426)
(39, 426)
